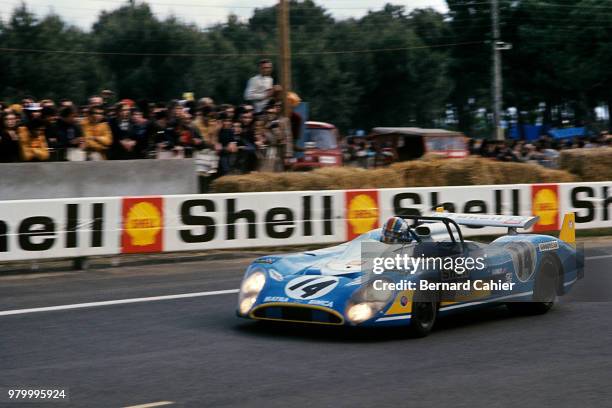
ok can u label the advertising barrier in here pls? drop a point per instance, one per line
(80, 227)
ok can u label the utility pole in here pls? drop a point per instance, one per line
(497, 71)
(284, 52)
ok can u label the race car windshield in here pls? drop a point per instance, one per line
(372, 239)
(325, 139)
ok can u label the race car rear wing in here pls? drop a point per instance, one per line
(486, 220)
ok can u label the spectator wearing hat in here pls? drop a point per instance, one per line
(9, 138)
(97, 134)
(260, 88)
(31, 111)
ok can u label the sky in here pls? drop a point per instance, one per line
(83, 13)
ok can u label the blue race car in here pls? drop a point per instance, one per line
(341, 286)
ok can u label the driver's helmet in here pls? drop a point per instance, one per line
(395, 230)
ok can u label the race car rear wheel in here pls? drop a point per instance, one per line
(544, 291)
(423, 318)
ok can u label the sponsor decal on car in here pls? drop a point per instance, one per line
(266, 260)
(274, 274)
(310, 287)
(548, 246)
(325, 303)
(268, 299)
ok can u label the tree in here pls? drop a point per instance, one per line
(150, 73)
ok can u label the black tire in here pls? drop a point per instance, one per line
(423, 318)
(545, 289)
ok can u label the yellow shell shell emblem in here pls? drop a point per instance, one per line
(143, 224)
(362, 213)
(545, 206)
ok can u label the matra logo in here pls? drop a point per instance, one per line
(41, 233)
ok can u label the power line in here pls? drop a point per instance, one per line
(234, 54)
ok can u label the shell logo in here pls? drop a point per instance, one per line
(362, 212)
(143, 223)
(545, 204)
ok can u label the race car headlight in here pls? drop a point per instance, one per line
(246, 304)
(249, 290)
(368, 301)
(253, 284)
(376, 291)
(359, 312)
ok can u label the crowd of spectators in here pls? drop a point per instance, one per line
(225, 139)
(544, 151)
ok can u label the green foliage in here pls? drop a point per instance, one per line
(424, 60)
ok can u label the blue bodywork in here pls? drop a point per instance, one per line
(510, 258)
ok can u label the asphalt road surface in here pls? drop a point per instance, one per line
(194, 352)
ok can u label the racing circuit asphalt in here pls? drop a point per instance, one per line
(194, 352)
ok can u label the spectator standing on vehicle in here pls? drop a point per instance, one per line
(97, 134)
(288, 134)
(260, 88)
(9, 138)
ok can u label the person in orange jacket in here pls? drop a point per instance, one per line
(32, 139)
(97, 134)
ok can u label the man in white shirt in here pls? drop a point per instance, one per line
(261, 88)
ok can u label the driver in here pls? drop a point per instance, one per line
(396, 231)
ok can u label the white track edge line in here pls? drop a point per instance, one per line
(116, 302)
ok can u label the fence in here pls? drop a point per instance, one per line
(81, 227)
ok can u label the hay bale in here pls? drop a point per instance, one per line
(418, 173)
(588, 164)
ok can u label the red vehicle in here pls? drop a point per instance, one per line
(411, 143)
(320, 142)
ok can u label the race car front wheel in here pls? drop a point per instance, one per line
(423, 318)
(544, 290)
